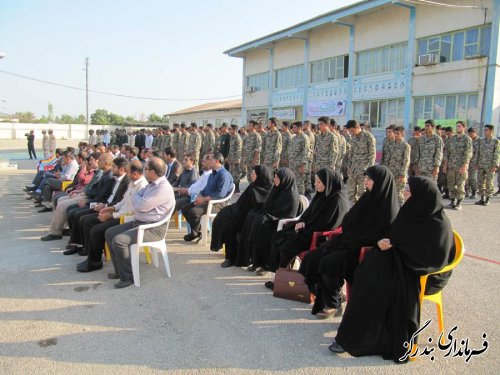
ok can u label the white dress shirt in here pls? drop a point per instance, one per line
(124, 207)
(115, 187)
(199, 185)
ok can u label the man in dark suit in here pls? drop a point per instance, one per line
(31, 144)
(140, 140)
(119, 184)
(188, 177)
(174, 168)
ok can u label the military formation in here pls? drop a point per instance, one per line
(463, 164)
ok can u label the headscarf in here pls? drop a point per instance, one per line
(370, 219)
(327, 209)
(257, 192)
(422, 232)
(284, 200)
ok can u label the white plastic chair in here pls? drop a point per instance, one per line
(304, 202)
(154, 247)
(205, 219)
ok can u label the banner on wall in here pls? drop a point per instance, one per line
(330, 107)
(259, 116)
(284, 114)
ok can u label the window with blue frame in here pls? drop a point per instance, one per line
(380, 60)
(457, 45)
(258, 82)
(329, 69)
(447, 107)
(292, 76)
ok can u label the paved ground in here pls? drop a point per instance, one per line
(204, 320)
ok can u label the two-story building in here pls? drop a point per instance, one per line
(379, 61)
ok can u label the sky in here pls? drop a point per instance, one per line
(149, 48)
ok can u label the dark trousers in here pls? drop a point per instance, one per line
(194, 213)
(38, 178)
(52, 184)
(120, 237)
(74, 217)
(31, 151)
(181, 202)
(93, 235)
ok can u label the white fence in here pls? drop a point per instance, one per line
(61, 131)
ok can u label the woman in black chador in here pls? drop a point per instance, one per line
(259, 227)
(229, 221)
(325, 212)
(366, 222)
(383, 311)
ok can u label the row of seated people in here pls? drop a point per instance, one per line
(407, 242)
(92, 208)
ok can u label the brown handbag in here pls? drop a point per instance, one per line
(289, 284)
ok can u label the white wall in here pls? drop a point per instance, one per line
(231, 116)
(257, 61)
(328, 41)
(61, 131)
(288, 53)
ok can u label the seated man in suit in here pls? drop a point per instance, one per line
(150, 205)
(174, 168)
(94, 226)
(119, 185)
(218, 186)
(188, 177)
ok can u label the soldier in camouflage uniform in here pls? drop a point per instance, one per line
(386, 145)
(243, 135)
(297, 156)
(208, 144)
(471, 187)
(262, 132)
(217, 139)
(273, 144)
(430, 152)
(456, 162)
(183, 142)
(345, 161)
(334, 128)
(166, 141)
(253, 147)
(414, 145)
(398, 161)
(361, 156)
(234, 156)
(286, 137)
(312, 144)
(194, 143)
(157, 133)
(488, 159)
(446, 133)
(326, 149)
(175, 139)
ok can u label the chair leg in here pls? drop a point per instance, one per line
(165, 259)
(154, 252)
(439, 310)
(147, 252)
(204, 230)
(134, 260)
(179, 220)
(107, 254)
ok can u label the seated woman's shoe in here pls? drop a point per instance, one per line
(336, 348)
(269, 285)
(190, 237)
(251, 268)
(262, 272)
(326, 313)
(226, 263)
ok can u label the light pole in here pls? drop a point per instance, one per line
(87, 92)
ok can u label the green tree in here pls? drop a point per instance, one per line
(99, 117)
(153, 117)
(115, 119)
(26, 117)
(43, 120)
(80, 119)
(66, 119)
(130, 119)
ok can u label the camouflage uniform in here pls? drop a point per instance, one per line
(297, 155)
(413, 142)
(488, 157)
(361, 156)
(175, 142)
(442, 179)
(183, 145)
(345, 159)
(342, 152)
(386, 150)
(458, 154)
(312, 144)
(234, 157)
(253, 144)
(326, 151)
(398, 162)
(166, 141)
(472, 178)
(194, 146)
(157, 140)
(208, 144)
(45, 146)
(272, 152)
(286, 138)
(217, 141)
(243, 166)
(430, 155)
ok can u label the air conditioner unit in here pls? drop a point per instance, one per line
(429, 59)
(250, 89)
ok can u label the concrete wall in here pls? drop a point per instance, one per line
(257, 61)
(61, 131)
(328, 41)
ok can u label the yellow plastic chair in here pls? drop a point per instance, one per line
(65, 185)
(107, 253)
(438, 297)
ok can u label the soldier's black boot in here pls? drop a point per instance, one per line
(473, 195)
(481, 201)
(486, 201)
(458, 206)
(237, 188)
(452, 204)
(446, 194)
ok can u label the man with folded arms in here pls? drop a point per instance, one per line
(94, 226)
(187, 178)
(150, 205)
